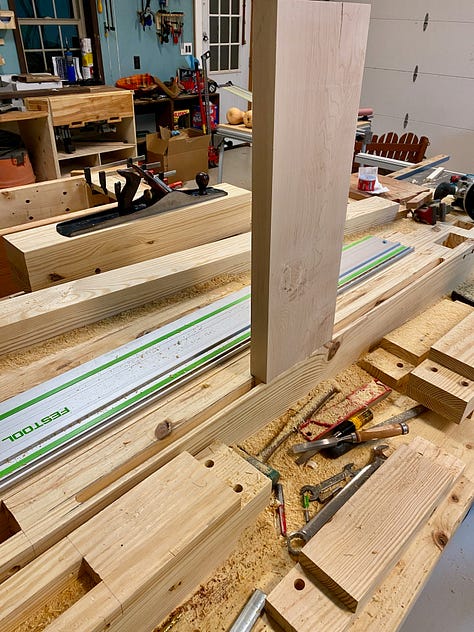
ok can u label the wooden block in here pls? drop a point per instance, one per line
(41, 257)
(412, 341)
(438, 388)
(455, 350)
(296, 253)
(387, 368)
(146, 552)
(419, 200)
(369, 212)
(298, 605)
(54, 310)
(364, 540)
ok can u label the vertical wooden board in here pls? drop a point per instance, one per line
(361, 544)
(438, 388)
(455, 350)
(308, 63)
(298, 605)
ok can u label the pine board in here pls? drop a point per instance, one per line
(438, 388)
(41, 257)
(360, 545)
(31, 318)
(455, 350)
(295, 264)
(366, 213)
(388, 368)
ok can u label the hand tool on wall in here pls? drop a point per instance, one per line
(99, 6)
(359, 436)
(297, 539)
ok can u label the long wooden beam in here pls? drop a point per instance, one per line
(308, 63)
(42, 257)
(31, 318)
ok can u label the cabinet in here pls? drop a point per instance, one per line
(90, 129)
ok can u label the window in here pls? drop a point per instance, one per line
(224, 29)
(46, 29)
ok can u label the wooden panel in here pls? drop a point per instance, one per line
(420, 98)
(369, 212)
(388, 368)
(364, 540)
(80, 108)
(32, 202)
(455, 350)
(449, 394)
(298, 605)
(298, 219)
(41, 257)
(48, 312)
(412, 341)
(420, 47)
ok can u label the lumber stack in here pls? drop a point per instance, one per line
(343, 564)
(403, 349)
(445, 381)
(135, 561)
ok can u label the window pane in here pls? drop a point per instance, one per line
(225, 6)
(70, 36)
(64, 9)
(234, 29)
(44, 8)
(214, 7)
(31, 36)
(51, 36)
(224, 29)
(24, 9)
(234, 57)
(214, 29)
(235, 7)
(224, 65)
(35, 62)
(214, 59)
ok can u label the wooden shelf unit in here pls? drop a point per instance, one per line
(77, 111)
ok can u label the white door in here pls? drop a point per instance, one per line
(223, 29)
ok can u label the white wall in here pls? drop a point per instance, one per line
(440, 102)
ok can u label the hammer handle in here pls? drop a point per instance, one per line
(390, 430)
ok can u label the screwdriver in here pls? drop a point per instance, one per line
(381, 432)
(353, 423)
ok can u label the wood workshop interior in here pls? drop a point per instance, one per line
(236, 316)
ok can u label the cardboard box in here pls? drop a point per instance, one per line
(196, 116)
(186, 152)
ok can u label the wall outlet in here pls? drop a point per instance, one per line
(136, 62)
(187, 48)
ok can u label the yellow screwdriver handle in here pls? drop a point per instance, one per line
(99, 6)
(361, 418)
(381, 432)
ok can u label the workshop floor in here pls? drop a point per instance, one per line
(446, 602)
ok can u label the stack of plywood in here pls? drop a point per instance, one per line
(132, 563)
(343, 564)
(445, 381)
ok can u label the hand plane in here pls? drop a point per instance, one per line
(159, 198)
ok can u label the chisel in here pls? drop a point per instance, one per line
(359, 436)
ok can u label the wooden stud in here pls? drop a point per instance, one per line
(364, 540)
(301, 164)
(455, 350)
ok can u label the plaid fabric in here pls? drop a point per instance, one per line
(135, 82)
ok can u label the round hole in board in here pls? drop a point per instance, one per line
(27, 201)
(434, 369)
(64, 192)
(209, 463)
(464, 383)
(97, 270)
(31, 217)
(400, 365)
(299, 584)
(238, 488)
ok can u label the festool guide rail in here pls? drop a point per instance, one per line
(42, 423)
(45, 421)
